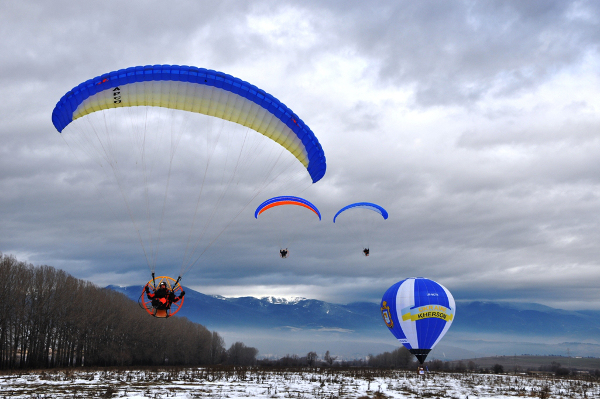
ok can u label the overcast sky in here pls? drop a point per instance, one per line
(475, 124)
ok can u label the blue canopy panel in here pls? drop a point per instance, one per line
(366, 205)
(195, 90)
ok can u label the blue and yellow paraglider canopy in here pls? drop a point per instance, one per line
(197, 90)
(286, 200)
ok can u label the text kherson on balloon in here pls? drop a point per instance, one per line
(424, 312)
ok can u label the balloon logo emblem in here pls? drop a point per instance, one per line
(385, 312)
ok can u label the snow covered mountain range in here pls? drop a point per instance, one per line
(278, 326)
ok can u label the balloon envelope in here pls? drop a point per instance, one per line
(418, 311)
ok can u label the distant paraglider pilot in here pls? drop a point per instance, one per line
(283, 253)
(366, 251)
(163, 297)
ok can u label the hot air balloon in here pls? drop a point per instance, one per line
(418, 311)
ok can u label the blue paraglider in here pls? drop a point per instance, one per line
(365, 205)
(418, 311)
(363, 221)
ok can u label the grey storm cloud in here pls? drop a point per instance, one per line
(458, 52)
(474, 123)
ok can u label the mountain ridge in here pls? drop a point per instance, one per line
(481, 327)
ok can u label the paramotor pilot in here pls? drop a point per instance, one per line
(163, 297)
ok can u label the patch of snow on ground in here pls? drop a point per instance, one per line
(298, 383)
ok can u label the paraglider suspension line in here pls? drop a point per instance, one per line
(176, 282)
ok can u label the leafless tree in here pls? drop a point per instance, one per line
(51, 319)
(241, 355)
(329, 359)
(399, 358)
(217, 353)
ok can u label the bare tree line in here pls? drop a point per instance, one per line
(48, 318)
(400, 358)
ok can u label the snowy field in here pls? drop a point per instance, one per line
(300, 383)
